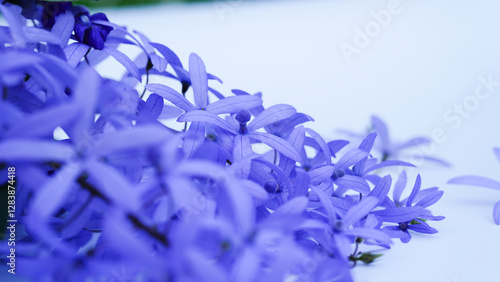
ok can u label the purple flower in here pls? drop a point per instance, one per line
(410, 213)
(243, 130)
(482, 182)
(342, 231)
(195, 135)
(391, 149)
(90, 33)
(30, 8)
(50, 10)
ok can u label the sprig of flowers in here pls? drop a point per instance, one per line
(126, 197)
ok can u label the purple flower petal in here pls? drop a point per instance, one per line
(152, 108)
(367, 143)
(182, 191)
(430, 199)
(350, 158)
(51, 195)
(75, 53)
(401, 214)
(254, 190)
(301, 184)
(367, 233)
(496, 213)
(34, 34)
(194, 138)
(373, 178)
(476, 181)
(213, 77)
(43, 123)
(281, 176)
(414, 191)
(422, 228)
(381, 128)
(199, 80)
(322, 144)
(216, 93)
(325, 202)
(14, 22)
(159, 63)
(119, 235)
(199, 168)
(172, 59)
(170, 112)
(246, 266)
(320, 174)
(413, 142)
(436, 160)
(386, 164)
(360, 210)
(296, 139)
(124, 61)
(382, 188)
(354, 183)
(204, 116)
(136, 137)
(243, 210)
(399, 187)
(171, 95)
(336, 145)
(294, 207)
(242, 147)
(34, 150)
(114, 185)
(63, 27)
(271, 115)
(234, 104)
(497, 153)
(395, 232)
(147, 43)
(276, 143)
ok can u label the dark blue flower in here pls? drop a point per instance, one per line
(90, 33)
(50, 10)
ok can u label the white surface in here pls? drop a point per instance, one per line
(426, 60)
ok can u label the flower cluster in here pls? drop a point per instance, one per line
(106, 191)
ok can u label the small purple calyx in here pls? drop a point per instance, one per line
(338, 225)
(243, 117)
(339, 173)
(271, 186)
